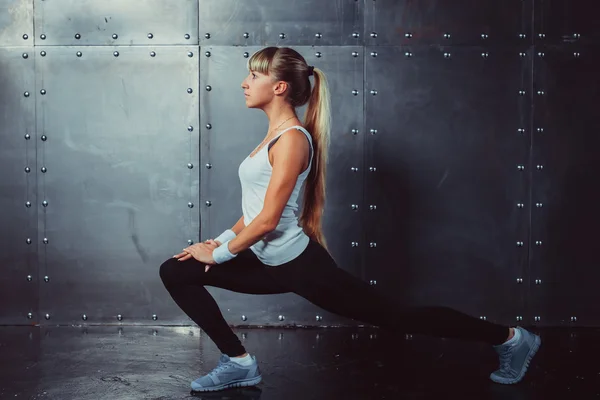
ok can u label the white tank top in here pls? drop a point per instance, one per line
(288, 240)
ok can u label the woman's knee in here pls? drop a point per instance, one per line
(168, 270)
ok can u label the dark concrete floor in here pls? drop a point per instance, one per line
(137, 362)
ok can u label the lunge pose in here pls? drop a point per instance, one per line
(270, 250)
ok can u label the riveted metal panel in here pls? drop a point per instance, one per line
(117, 182)
(280, 23)
(443, 22)
(116, 22)
(18, 219)
(235, 131)
(447, 129)
(565, 195)
(16, 23)
(566, 22)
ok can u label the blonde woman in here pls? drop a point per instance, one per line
(270, 250)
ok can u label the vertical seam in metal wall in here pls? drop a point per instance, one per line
(365, 151)
(528, 311)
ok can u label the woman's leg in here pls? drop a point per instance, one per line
(316, 277)
(186, 281)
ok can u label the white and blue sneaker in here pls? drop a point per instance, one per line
(515, 356)
(228, 374)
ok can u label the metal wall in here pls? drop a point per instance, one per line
(462, 166)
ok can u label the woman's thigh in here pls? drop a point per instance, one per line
(243, 274)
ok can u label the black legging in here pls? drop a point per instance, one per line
(315, 276)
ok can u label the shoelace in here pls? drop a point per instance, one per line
(220, 368)
(505, 357)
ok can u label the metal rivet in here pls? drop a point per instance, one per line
(522, 92)
(187, 36)
(26, 94)
(355, 54)
(373, 54)
(354, 169)
(374, 92)
(573, 319)
(519, 280)
(540, 92)
(354, 207)
(355, 92)
(44, 138)
(190, 90)
(520, 205)
(446, 36)
(27, 169)
(115, 36)
(520, 244)
(447, 55)
(190, 54)
(540, 130)
(319, 318)
(208, 126)
(483, 317)
(28, 204)
(318, 35)
(244, 318)
(246, 54)
(539, 205)
(79, 54)
(150, 36)
(246, 35)
(154, 317)
(47, 316)
(43, 91)
(539, 166)
(354, 244)
(77, 36)
(521, 167)
(372, 207)
(28, 241)
(356, 35)
(282, 35)
(25, 55)
(244, 335)
(190, 128)
(29, 315)
(46, 278)
(372, 282)
(541, 35)
(522, 54)
(208, 203)
(522, 35)
(27, 136)
(537, 318)
(207, 54)
(190, 242)
(484, 36)
(373, 131)
(84, 317)
(43, 37)
(29, 278)
(281, 336)
(372, 245)
(208, 166)
(45, 203)
(576, 54)
(281, 317)
(116, 54)
(120, 317)
(408, 35)
(485, 55)
(25, 36)
(373, 34)
(355, 131)
(207, 35)
(208, 88)
(538, 242)
(152, 54)
(318, 54)
(538, 281)
(408, 54)
(44, 170)
(519, 318)
(191, 205)
(45, 240)
(190, 165)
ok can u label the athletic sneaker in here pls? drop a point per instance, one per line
(228, 374)
(515, 357)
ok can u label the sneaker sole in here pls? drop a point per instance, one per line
(233, 384)
(537, 342)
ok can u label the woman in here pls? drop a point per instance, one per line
(270, 251)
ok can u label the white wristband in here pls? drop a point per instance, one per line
(225, 236)
(222, 254)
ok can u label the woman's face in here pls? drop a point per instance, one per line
(259, 89)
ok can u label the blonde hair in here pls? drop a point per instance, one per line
(285, 64)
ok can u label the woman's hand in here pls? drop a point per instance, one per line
(201, 252)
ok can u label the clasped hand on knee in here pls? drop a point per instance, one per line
(201, 252)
